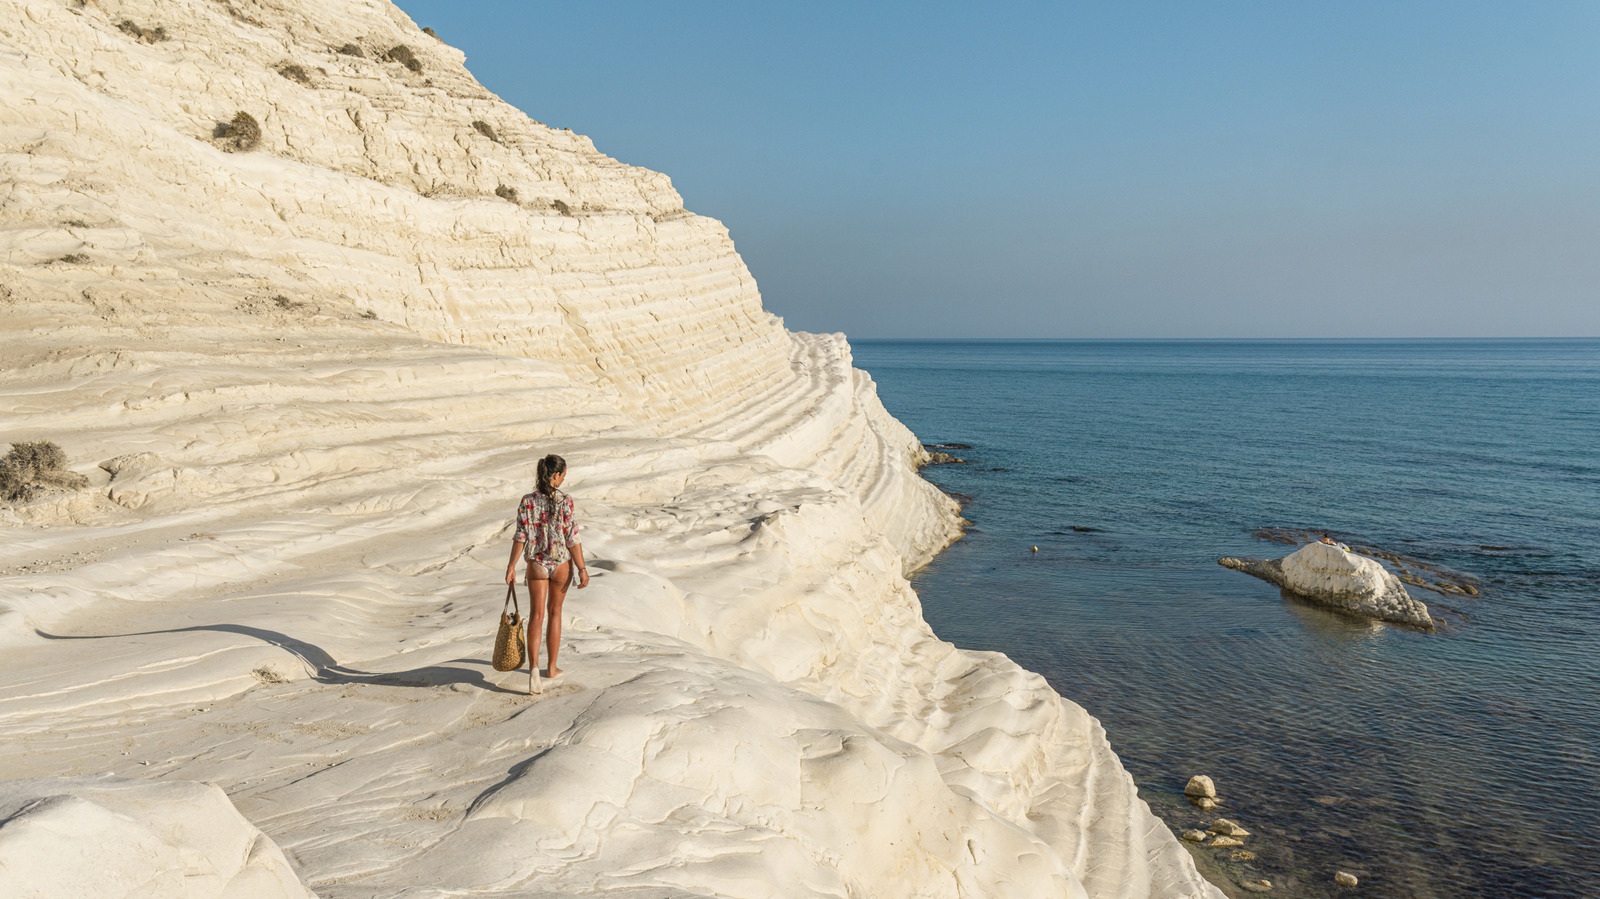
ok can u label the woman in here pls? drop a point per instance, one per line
(547, 535)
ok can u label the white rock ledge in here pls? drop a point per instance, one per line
(333, 362)
(113, 837)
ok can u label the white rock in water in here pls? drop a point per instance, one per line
(1345, 879)
(1228, 828)
(112, 836)
(1330, 576)
(1195, 836)
(1225, 842)
(1201, 785)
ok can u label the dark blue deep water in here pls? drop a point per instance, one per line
(1460, 763)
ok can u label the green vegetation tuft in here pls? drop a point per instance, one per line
(403, 55)
(28, 468)
(146, 35)
(243, 133)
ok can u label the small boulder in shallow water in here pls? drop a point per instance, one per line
(1257, 886)
(1195, 836)
(1225, 842)
(1345, 879)
(1203, 803)
(1329, 576)
(1201, 785)
(1228, 828)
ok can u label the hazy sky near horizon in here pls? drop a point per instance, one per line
(1141, 169)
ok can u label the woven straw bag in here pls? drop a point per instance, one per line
(510, 644)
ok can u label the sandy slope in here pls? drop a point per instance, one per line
(308, 383)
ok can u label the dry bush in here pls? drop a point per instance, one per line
(243, 133)
(561, 207)
(403, 55)
(506, 193)
(353, 50)
(487, 130)
(147, 35)
(433, 34)
(28, 468)
(296, 73)
(72, 259)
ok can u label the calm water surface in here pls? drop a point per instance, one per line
(1462, 763)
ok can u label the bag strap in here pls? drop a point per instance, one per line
(511, 600)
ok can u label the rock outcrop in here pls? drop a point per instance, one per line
(120, 837)
(1330, 576)
(305, 369)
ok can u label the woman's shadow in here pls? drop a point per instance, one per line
(324, 668)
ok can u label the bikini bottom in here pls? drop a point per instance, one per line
(548, 566)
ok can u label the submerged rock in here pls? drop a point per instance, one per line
(1195, 836)
(1256, 886)
(1201, 785)
(1225, 842)
(1329, 576)
(1345, 879)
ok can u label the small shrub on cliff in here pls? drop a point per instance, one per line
(561, 207)
(403, 55)
(29, 467)
(72, 259)
(353, 50)
(147, 35)
(295, 73)
(431, 33)
(243, 133)
(487, 130)
(506, 193)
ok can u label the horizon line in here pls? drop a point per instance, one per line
(1222, 339)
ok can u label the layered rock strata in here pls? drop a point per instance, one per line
(307, 382)
(1330, 576)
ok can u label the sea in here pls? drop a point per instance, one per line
(1103, 480)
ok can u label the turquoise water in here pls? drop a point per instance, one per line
(1461, 763)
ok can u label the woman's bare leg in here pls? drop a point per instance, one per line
(538, 588)
(559, 581)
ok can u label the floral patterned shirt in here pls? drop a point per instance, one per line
(546, 529)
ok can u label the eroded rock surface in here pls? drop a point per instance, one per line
(1330, 576)
(114, 837)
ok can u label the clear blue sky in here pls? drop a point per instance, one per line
(1140, 169)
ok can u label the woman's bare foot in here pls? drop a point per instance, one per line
(535, 685)
(556, 672)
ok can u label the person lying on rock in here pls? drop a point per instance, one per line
(547, 536)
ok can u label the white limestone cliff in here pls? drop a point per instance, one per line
(308, 382)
